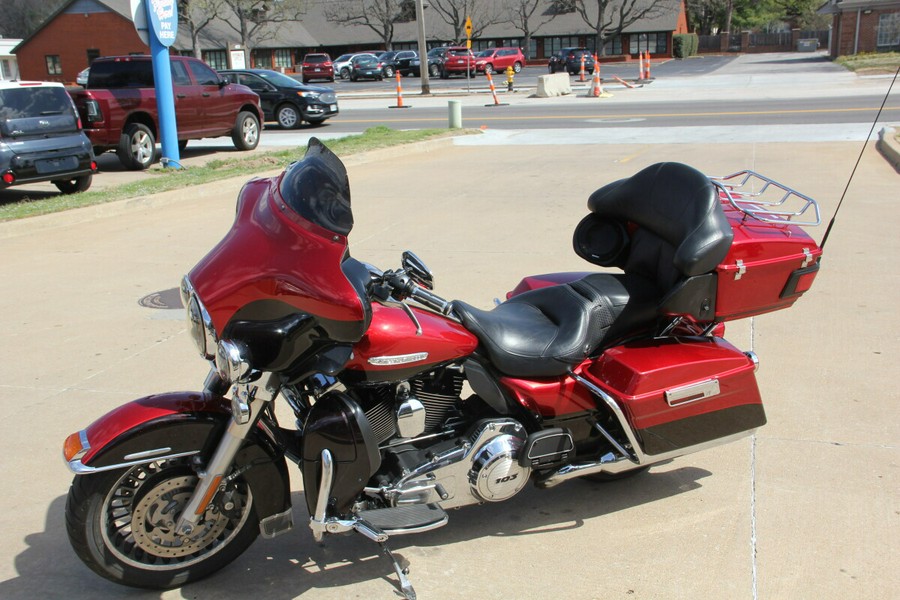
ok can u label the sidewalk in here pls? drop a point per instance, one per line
(807, 508)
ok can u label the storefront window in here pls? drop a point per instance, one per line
(283, 58)
(217, 59)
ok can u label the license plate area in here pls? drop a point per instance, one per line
(56, 164)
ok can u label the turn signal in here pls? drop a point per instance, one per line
(75, 446)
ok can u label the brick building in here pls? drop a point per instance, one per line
(81, 30)
(863, 26)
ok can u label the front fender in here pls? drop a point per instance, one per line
(178, 424)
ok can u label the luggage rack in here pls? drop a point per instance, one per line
(764, 204)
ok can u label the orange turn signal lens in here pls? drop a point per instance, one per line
(75, 446)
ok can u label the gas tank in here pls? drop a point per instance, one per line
(391, 350)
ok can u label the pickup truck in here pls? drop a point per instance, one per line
(118, 107)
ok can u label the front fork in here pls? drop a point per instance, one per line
(248, 402)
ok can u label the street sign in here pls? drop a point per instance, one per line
(469, 28)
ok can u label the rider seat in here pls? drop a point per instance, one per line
(676, 235)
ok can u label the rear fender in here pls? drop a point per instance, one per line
(176, 425)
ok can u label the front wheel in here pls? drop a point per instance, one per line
(245, 134)
(488, 68)
(137, 147)
(288, 116)
(122, 525)
(434, 70)
(389, 71)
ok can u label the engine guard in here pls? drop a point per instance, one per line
(179, 424)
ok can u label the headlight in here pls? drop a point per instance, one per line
(201, 325)
(310, 95)
(232, 361)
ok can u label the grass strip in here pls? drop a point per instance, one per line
(164, 180)
(866, 63)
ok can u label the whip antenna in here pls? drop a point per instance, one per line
(858, 159)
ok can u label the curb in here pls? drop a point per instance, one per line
(889, 146)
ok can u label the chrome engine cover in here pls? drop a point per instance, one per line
(485, 468)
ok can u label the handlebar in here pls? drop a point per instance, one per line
(399, 286)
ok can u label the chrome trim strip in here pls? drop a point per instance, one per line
(694, 392)
(79, 468)
(317, 522)
(147, 453)
(397, 359)
(423, 529)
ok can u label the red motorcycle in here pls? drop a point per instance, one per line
(403, 411)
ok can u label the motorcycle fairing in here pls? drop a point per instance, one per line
(179, 424)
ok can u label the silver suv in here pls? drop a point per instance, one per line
(41, 138)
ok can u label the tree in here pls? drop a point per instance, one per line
(521, 15)
(195, 15)
(258, 20)
(454, 13)
(22, 17)
(609, 18)
(378, 15)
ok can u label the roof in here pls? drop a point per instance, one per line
(838, 6)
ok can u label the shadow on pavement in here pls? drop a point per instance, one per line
(293, 564)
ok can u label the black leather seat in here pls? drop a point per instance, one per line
(681, 235)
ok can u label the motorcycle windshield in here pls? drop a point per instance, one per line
(317, 189)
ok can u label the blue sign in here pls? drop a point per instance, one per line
(163, 20)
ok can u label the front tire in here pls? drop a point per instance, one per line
(121, 524)
(245, 134)
(137, 147)
(434, 70)
(389, 71)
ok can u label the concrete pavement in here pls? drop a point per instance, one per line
(807, 508)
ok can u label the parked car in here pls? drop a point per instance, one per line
(569, 60)
(498, 59)
(398, 61)
(317, 66)
(118, 107)
(365, 66)
(342, 63)
(41, 138)
(284, 99)
(458, 60)
(434, 59)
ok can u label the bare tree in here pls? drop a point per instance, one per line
(378, 15)
(256, 21)
(608, 18)
(483, 13)
(22, 17)
(527, 16)
(195, 15)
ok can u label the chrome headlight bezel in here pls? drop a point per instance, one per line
(233, 362)
(201, 326)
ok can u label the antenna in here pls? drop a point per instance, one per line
(858, 159)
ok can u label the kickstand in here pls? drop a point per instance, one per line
(406, 587)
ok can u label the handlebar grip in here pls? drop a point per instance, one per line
(430, 300)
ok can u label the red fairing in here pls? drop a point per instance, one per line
(272, 253)
(156, 408)
(640, 374)
(393, 334)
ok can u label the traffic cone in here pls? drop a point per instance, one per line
(581, 76)
(647, 67)
(493, 90)
(399, 94)
(596, 89)
(640, 66)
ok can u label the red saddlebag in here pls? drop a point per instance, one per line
(678, 393)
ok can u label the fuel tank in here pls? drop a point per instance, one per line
(392, 349)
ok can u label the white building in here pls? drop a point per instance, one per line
(9, 68)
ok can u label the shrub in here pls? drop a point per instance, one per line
(685, 44)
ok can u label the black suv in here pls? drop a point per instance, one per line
(569, 60)
(41, 138)
(399, 61)
(284, 99)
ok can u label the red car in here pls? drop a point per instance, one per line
(317, 66)
(457, 61)
(494, 60)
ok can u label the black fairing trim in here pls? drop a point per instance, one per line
(358, 276)
(547, 331)
(274, 344)
(691, 431)
(681, 208)
(338, 424)
(485, 385)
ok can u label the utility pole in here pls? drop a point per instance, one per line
(423, 48)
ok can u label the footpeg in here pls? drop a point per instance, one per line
(400, 520)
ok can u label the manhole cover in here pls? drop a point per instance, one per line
(164, 300)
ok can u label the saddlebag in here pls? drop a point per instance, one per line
(681, 392)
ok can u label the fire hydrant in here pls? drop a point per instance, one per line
(510, 74)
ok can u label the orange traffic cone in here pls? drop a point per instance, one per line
(493, 90)
(647, 67)
(581, 76)
(399, 94)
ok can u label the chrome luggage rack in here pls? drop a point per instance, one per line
(765, 204)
